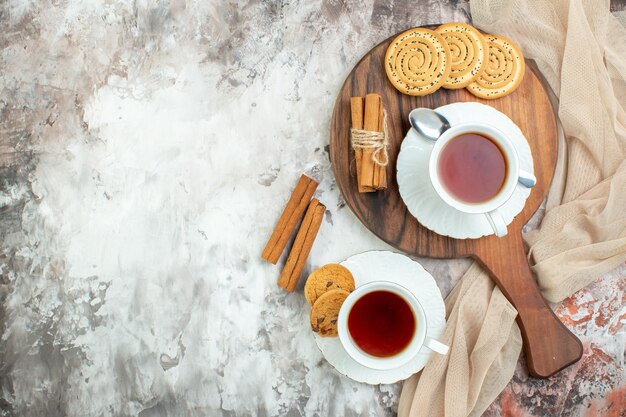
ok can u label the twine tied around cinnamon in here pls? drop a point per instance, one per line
(377, 141)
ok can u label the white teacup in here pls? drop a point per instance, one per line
(420, 337)
(513, 174)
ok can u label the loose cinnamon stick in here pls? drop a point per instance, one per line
(380, 174)
(356, 107)
(289, 219)
(370, 122)
(302, 246)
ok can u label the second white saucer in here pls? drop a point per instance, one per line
(389, 266)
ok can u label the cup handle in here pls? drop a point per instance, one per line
(527, 179)
(497, 223)
(436, 346)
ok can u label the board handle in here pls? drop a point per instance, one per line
(549, 346)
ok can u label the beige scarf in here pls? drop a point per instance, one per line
(580, 48)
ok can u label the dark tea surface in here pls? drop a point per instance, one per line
(381, 323)
(472, 168)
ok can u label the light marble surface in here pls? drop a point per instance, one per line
(147, 148)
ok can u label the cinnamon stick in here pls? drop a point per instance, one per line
(370, 122)
(302, 245)
(288, 220)
(356, 108)
(380, 174)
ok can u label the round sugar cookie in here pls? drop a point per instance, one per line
(325, 312)
(504, 71)
(468, 53)
(417, 62)
(329, 277)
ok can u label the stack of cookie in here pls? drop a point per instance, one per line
(455, 55)
(325, 290)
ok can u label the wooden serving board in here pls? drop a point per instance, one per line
(549, 346)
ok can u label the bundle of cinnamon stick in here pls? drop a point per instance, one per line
(299, 201)
(368, 114)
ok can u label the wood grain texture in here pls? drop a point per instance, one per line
(548, 345)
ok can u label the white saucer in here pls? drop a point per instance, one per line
(383, 265)
(421, 198)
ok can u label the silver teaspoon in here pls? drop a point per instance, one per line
(428, 123)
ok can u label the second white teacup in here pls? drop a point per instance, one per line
(512, 175)
(419, 336)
